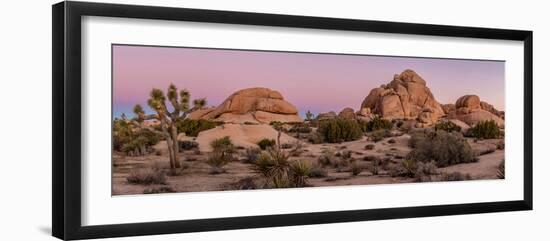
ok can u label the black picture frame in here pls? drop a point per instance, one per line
(66, 75)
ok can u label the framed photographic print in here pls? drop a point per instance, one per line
(169, 120)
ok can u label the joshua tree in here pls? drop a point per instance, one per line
(168, 119)
(309, 115)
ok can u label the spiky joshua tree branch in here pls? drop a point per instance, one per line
(180, 108)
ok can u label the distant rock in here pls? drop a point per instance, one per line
(405, 97)
(347, 113)
(252, 105)
(471, 110)
(241, 135)
(326, 116)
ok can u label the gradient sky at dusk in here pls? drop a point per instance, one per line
(316, 82)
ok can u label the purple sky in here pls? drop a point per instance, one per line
(316, 82)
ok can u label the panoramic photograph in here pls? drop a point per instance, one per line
(198, 119)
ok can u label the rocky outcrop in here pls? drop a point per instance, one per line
(326, 116)
(347, 113)
(405, 97)
(471, 110)
(253, 105)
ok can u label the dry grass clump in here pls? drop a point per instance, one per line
(147, 176)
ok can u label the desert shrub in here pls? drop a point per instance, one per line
(223, 152)
(299, 172)
(447, 126)
(379, 135)
(297, 148)
(485, 130)
(356, 168)
(315, 138)
(131, 141)
(188, 145)
(300, 128)
(424, 171)
(455, 176)
(345, 154)
(147, 176)
(327, 157)
(279, 172)
(370, 158)
(340, 130)
(377, 123)
(246, 183)
(369, 147)
(266, 143)
(442, 147)
(374, 166)
(193, 127)
(500, 170)
(317, 171)
(216, 160)
(161, 189)
(252, 154)
(391, 141)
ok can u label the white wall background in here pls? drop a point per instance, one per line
(25, 137)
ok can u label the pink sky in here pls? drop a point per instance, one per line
(316, 82)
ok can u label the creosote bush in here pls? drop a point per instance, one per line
(356, 168)
(339, 130)
(444, 148)
(447, 126)
(377, 123)
(266, 143)
(485, 130)
(193, 127)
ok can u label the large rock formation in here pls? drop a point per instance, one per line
(471, 110)
(253, 105)
(405, 97)
(347, 113)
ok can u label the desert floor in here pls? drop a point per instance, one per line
(195, 175)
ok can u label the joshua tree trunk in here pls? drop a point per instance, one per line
(175, 145)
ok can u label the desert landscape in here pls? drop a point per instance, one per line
(257, 139)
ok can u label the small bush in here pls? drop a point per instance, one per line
(222, 153)
(447, 126)
(379, 135)
(327, 158)
(147, 176)
(485, 130)
(391, 141)
(298, 149)
(369, 147)
(188, 145)
(266, 143)
(315, 138)
(300, 128)
(286, 146)
(317, 172)
(252, 154)
(194, 127)
(340, 130)
(442, 147)
(455, 176)
(346, 154)
(377, 123)
(356, 168)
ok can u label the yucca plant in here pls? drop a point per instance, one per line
(299, 172)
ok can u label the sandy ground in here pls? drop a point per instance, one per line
(196, 177)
